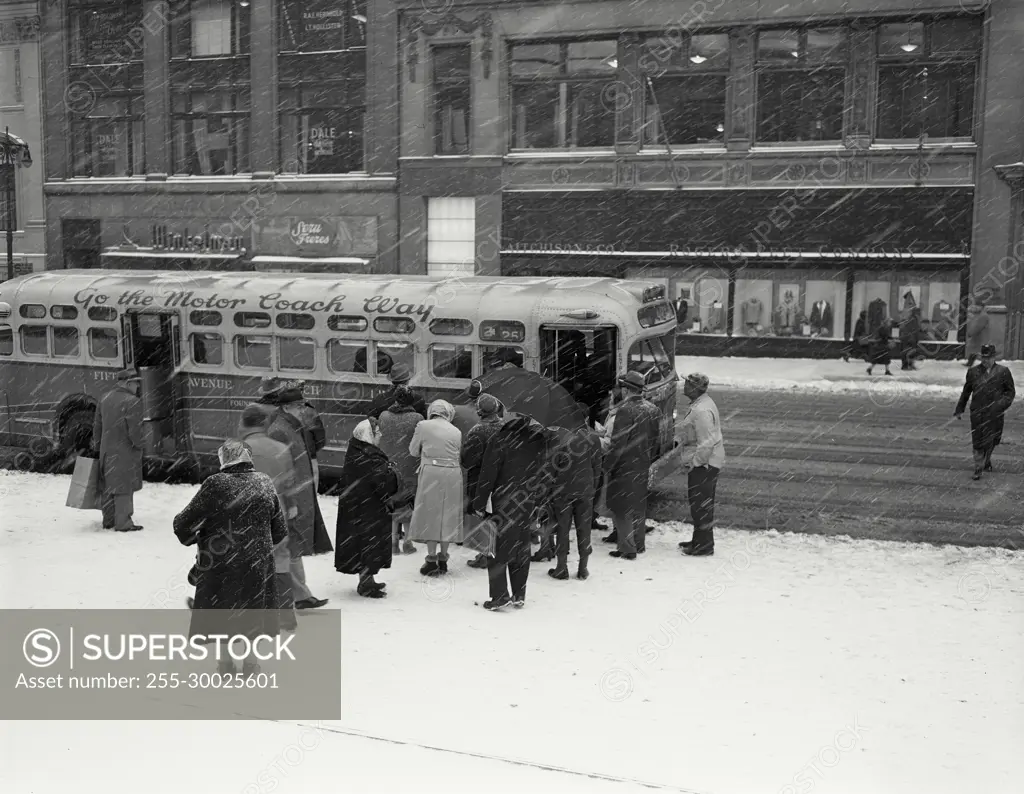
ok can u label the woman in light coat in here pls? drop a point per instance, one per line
(437, 515)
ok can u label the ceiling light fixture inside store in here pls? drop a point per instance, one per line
(359, 18)
(698, 58)
(611, 62)
(908, 47)
(720, 127)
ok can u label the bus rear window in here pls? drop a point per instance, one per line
(252, 320)
(296, 352)
(207, 349)
(205, 318)
(65, 341)
(253, 352)
(6, 341)
(103, 314)
(295, 322)
(64, 312)
(103, 343)
(33, 311)
(34, 340)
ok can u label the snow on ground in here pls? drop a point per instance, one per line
(784, 663)
(932, 378)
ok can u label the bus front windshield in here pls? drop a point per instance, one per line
(654, 358)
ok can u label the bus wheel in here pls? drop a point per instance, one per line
(24, 461)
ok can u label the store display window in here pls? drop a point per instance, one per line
(940, 311)
(708, 311)
(873, 298)
(753, 311)
(824, 309)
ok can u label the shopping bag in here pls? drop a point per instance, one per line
(481, 534)
(84, 493)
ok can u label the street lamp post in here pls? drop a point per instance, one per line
(14, 153)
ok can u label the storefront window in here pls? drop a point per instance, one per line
(926, 78)
(211, 132)
(322, 86)
(104, 96)
(563, 94)
(686, 92)
(752, 316)
(825, 309)
(706, 310)
(801, 77)
(108, 139)
(452, 96)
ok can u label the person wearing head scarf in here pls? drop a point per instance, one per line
(397, 425)
(437, 516)
(489, 412)
(363, 536)
(235, 520)
(703, 457)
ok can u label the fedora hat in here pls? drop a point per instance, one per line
(988, 350)
(633, 380)
(271, 384)
(128, 374)
(400, 374)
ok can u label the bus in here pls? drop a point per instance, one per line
(203, 341)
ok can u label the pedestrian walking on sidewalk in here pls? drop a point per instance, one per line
(879, 352)
(703, 457)
(990, 389)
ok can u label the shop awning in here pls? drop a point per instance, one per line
(721, 254)
(310, 260)
(169, 255)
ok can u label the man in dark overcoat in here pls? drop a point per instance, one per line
(516, 480)
(488, 410)
(306, 531)
(991, 391)
(117, 437)
(292, 399)
(399, 376)
(627, 467)
(577, 461)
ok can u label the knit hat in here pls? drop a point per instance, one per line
(404, 397)
(400, 374)
(232, 452)
(698, 381)
(475, 388)
(487, 405)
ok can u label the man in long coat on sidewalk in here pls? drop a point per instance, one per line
(991, 391)
(703, 457)
(117, 437)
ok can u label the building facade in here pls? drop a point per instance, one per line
(21, 113)
(229, 134)
(784, 172)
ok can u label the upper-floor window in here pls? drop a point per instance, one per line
(685, 82)
(927, 74)
(98, 32)
(322, 85)
(564, 94)
(209, 28)
(452, 98)
(801, 80)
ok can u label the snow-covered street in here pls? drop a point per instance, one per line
(785, 663)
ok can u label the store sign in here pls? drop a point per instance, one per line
(166, 238)
(321, 140)
(315, 25)
(349, 235)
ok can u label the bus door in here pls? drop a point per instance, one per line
(153, 343)
(582, 360)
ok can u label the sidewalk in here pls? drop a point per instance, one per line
(942, 379)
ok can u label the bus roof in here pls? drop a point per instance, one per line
(483, 292)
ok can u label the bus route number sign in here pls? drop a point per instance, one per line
(502, 331)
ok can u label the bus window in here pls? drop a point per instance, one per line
(205, 318)
(449, 326)
(103, 314)
(253, 352)
(34, 340)
(103, 343)
(340, 322)
(65, 342)
(33, 311)
(451, 361)
(651, 358)
(345, 356)
(296, 352)
(252, 320)
(394, 325)
(295, 322)
(64, 312)
(207, 349)
(6, 341)
(391, 353)
(494, 357)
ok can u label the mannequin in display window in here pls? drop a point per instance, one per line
(909, 303)
(943, 319)
(716, 318)
(821, 318)
(752, 308)
(786, 313)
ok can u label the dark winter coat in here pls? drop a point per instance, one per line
(363, 533)
(397, 426)
(313, 433)
(879, 351)
(577, 461)
(514, 475)
(117, 436)
(991, 393)
(236, 518)
(910, 333)
(307, 530)
(380, 404)
(474, 445)
(628, 461)
(466, 418)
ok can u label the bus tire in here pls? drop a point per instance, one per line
(24, 461)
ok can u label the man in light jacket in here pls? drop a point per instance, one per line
(117, 437)
(703, 457)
